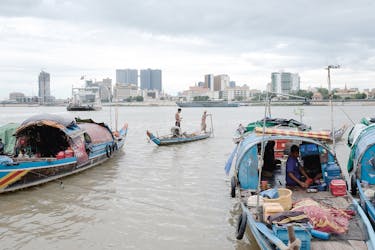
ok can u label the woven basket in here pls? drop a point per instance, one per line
(285, 198)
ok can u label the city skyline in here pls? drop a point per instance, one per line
(248, 42)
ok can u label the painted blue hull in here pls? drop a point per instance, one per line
(176, 140)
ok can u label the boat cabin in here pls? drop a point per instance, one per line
(315, 158)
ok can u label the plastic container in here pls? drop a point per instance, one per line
(285, 198)
(331, 172)
(338, 187)
(301, 232)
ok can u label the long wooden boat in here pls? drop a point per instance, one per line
(48, 147)
(184, 138)
(334, 221)
(361, 165)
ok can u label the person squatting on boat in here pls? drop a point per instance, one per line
(178, 118)
(294, 171)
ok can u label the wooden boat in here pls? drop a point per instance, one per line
(170, 139)
(248, 180)
(361, 165)
(49, 147)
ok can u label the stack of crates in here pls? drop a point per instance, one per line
(301, 232)
(331, 172)
(280, 146)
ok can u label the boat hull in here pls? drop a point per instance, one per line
(176, 140)
(24, 173)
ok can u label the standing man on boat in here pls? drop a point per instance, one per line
(203, 122)
(178, 118)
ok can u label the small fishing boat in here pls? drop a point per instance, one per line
(323, 216)
(177, 139)
(361, 164)
(49, 147)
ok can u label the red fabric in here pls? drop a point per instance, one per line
(330, 220)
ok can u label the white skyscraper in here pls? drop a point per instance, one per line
(44, 87)
(284, 82)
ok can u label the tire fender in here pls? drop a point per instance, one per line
(241, 226)
(108, 151)
(233, 187)
(353, 185)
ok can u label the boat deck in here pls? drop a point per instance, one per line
(356, 236)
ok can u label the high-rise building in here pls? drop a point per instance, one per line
(284, 82)
(221, 82)
(209, 81)
(127, 76)
(151, 79)
(44, 87)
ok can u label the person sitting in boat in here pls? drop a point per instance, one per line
(176, 131)
(294, 171)
(241, 129)
(203, 122)
(178, 118)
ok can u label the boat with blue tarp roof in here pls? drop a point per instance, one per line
(319, 215)
(361, 164)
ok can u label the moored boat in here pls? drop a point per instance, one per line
(324, 216)
(207, 104)
(361, 165)
(85, 99)
(49, 147)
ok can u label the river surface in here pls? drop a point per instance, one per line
(146, 197)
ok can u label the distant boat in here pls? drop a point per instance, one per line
(85, 99)
(207, 104)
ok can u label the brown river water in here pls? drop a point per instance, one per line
(146, 197)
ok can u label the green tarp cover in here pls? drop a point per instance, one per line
(6, 134)
(272, 122)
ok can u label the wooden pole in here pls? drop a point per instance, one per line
(292, 236)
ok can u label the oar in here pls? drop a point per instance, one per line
(228, 165)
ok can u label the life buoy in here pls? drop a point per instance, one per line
(108, 151)
(233, 187)
(241, 226)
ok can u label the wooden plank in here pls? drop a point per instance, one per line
(338, 245)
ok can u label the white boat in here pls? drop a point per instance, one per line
(85, 99)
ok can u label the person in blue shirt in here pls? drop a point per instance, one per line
(294, 170)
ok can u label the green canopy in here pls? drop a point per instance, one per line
(7, 135)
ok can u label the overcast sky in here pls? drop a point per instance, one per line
(245, 39)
